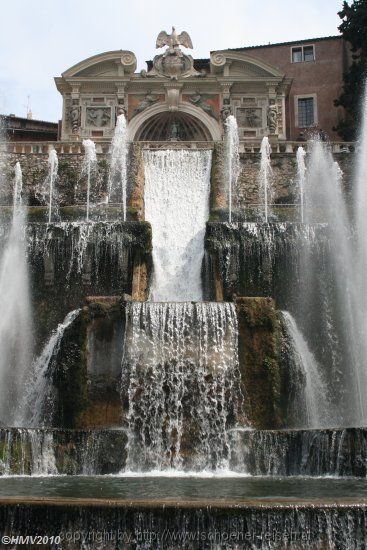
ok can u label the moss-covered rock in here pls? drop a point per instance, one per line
(262, 373)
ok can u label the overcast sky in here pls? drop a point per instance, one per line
(40, 39)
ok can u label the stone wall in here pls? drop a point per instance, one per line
(284, 168)
(72, 185)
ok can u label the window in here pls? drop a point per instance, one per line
(296, 55)
(308, 53)
(303, 53)
(306, 112)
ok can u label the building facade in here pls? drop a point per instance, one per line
(282, 90)
(15, 128)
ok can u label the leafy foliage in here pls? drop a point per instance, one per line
(354, 31)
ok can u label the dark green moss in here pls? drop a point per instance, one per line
(260, 361)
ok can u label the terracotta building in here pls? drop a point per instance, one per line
(280, 90)
(316, 67)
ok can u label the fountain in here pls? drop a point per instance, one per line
(340, 306)
(233, 159)
(146, 383)
(301, 179)
(16, 317)
(89, 166)
(177, 187)
(36, 407)
(360, 259)
(117, 179)
(265, 176)
(187, 354)
(312, 400)
(47, 191)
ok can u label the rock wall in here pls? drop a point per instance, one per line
(263, 374)
(88, 371)
(72, 186)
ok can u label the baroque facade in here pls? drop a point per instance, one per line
(177, 98)
(274, 90)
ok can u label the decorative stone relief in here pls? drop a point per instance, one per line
(98, 117)
(173, 63)
(75, 118)
(225, 112)
(272, 118)
(148, 100)
(249, 101)
(249, 117)
(198, 100)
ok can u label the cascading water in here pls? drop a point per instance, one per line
(265, 186)
(117, 178)
(47, 191)
(233, 159)
(16, 317)
(89, 166)
(177, 187)
(312, 397)
(181, 367)
(36, 406)
(301, 179)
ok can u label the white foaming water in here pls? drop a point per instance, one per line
(177, 188)
(89, 165)
(16, 317)
(46, 192)
(233, 159)
(43, 456)
(38, 395)
(117, 178)
(315, 395)
(301, 178)
(28, 452)
(265, 185)
(181, 368)
(325, 200)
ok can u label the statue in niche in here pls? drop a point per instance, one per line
(272, 118)
(145, 103)
(225, 112)
(173, 41)
(75, 118)
(174, 132)
(198, 100)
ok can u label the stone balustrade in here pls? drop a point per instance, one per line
(102, 147)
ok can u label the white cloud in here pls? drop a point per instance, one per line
(41, 39)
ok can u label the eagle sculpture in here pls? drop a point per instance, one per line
(173, 40)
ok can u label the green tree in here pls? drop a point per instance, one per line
(354, 31)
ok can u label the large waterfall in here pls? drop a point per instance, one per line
(181, 367)
(177, 187)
